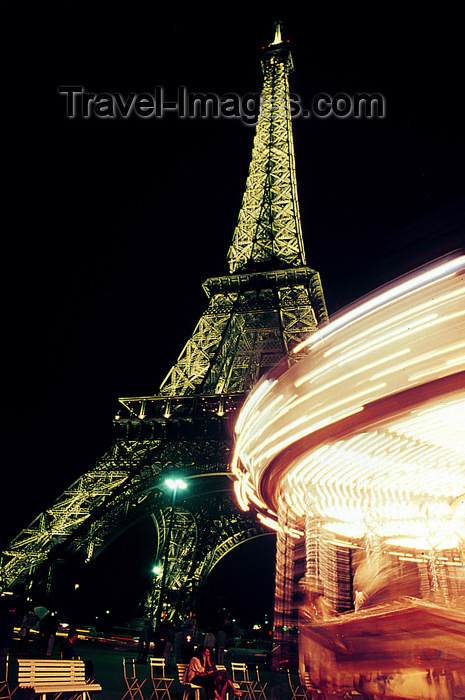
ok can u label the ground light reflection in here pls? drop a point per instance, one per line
(356, 456)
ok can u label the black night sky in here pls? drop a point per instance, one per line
(110, 226)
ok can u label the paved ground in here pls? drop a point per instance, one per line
(108, 671)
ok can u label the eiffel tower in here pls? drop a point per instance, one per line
(255, 316)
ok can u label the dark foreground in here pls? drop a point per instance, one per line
(108, 670)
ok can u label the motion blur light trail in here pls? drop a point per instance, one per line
(371, 420)
(356, 456)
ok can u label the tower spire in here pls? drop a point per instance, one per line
(277, 35)
(268, 232)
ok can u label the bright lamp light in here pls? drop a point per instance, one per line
(176, 484)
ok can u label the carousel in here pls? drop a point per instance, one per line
(355, 455)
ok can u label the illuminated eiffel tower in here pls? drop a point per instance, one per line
(255, 316)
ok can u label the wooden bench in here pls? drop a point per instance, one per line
(186, 686)
(55, 676)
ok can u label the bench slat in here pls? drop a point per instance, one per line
(54, 681)
(65, 687)
(70, 665)
(54, 676)
(51, 671)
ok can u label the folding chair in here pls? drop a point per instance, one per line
(297, 690)
(240, 676)
(161, 684)
(132, 682)
(5, 692)
(258, 687)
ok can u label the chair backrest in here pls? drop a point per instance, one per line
(129, 668)
(182, 673)
(239, 671)
(291, 684)
(157, 667)
(3, 669)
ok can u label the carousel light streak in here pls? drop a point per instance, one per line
(292, 505)
(251, 495)
(301, 419)
(344, 377)
(409, 329)
(274, 525)
(315, 426)
(264, 423)
(408, 313)
(417, 360)
(441, 426)
(261, 389)
(437, 273)
(438, 368)
(239, 490)
(356, 354)
(388, 338)
(399, 463)
(411, 559)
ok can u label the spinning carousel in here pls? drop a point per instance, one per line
(356, 454)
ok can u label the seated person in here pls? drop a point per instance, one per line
(198, 675)
(221, 678)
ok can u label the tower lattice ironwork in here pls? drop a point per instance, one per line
(255, 315)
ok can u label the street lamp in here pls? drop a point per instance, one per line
(156, 572)
(173, 485)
